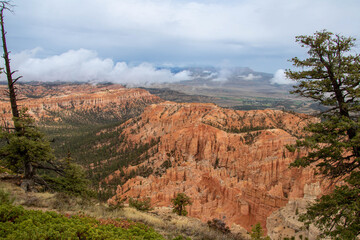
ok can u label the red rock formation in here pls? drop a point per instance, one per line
(45, 100)
(233, 164)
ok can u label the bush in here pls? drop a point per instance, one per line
(180, 202)
(18, 223)
(141, 205)
(181, 238)
(119, 204)
(5, 170)
(257, 233)
(5, 197)
(218, 225)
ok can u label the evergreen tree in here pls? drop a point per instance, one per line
(331, 77)
(71, 180)
(180, 202)
(257, 233)
(26, 150)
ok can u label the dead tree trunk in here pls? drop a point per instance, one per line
(9, 74)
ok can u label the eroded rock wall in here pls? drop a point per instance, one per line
(233, 164)
(46, 102)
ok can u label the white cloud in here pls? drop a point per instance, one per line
(280, 78)
(84, 65)
(250, 77)
(223, 75)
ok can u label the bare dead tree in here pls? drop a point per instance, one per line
(6, 6)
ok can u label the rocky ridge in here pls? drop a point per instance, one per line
(233, 164)
(55, 102)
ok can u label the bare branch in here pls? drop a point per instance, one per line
(16, 79)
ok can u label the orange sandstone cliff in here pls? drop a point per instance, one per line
(54, 102)
(233, 164)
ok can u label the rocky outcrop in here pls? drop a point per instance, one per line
(284, 222)
(233, 164)
(56, 102)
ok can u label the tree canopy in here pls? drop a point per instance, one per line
(331, 76)
(180, 202)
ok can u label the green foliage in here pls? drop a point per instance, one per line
(141, 205)
(331, 77)
(257, 233)
(118, 204)
(340, 208)
(180, 202)
(329, 68)
(5, 197)
(92, 143)
(181, 238)
(72, 181)
(5, 170)
(24, 147)
(28, 152)
(243, 129)
(249, 137)
(18, 223)
(166, 164)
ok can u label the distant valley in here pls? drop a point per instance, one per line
(237, 88)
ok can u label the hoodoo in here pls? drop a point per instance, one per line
(233, 164)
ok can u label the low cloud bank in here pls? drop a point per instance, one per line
(223, 75)
(250, 77)
(280, 78)
(228, 74)
(85, 66)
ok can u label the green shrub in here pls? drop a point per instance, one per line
(141, 205)
(18, 223)
(181, 238)
(257, 233)
(5, 170)
(119, 204)
(5, 197)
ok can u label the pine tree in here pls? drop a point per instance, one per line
(29, 152)
(257, 233)
(331, 76)
(26, 150)
(180, 202)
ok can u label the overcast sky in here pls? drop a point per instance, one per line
(113, 39)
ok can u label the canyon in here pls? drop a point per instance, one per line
(233, 164)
